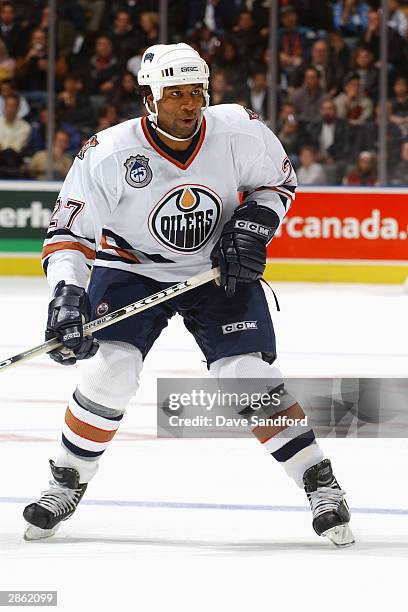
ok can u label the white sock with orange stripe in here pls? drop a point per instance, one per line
(87, 431)
(295, 448)
(97, 406)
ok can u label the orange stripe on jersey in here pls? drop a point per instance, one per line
(265, 432)
(121, 252)
(68, 246)
(89, 432)
(173, 160)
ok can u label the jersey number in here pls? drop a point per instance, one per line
(54, 222)
(287, 169)
(75, 205)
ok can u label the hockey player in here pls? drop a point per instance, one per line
(147, 203)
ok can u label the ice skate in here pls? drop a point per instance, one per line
(56, 504)
(331, 513)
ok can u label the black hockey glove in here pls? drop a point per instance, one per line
(67, 312)
(240, 252)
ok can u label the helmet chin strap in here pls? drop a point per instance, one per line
(153, 117)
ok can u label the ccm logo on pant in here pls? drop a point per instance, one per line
(255, 228)
(240, 326)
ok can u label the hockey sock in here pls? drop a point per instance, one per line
(96, 409)
(295, 452)
(293, 446)
(87, 431)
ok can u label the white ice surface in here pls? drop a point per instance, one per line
(208, 525)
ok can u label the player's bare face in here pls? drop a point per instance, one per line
(179, 109)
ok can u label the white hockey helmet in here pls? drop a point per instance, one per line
(170, 65)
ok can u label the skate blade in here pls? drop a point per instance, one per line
(340, 535)
(36, 533)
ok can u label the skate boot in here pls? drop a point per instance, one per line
(331, 513)
(55, 505)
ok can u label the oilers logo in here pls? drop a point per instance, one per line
(186, 218)
(138, 171)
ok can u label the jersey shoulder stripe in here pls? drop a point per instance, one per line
(69, 246)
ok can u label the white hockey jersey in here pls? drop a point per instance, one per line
(129, 203)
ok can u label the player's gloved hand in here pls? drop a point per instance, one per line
(240, 251)
(67, 312)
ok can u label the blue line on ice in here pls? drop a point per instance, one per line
(205, 506)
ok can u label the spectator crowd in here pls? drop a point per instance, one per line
(327, 90)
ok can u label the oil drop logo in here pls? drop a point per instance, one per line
(185, 218)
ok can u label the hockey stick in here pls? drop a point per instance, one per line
(118, 315)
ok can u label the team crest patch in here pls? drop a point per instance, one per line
(186, 218)
(92, 142)
(102, 309)
(138, 171)
(252, 114)
(149, 57)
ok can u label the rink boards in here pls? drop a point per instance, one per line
(331, 234)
